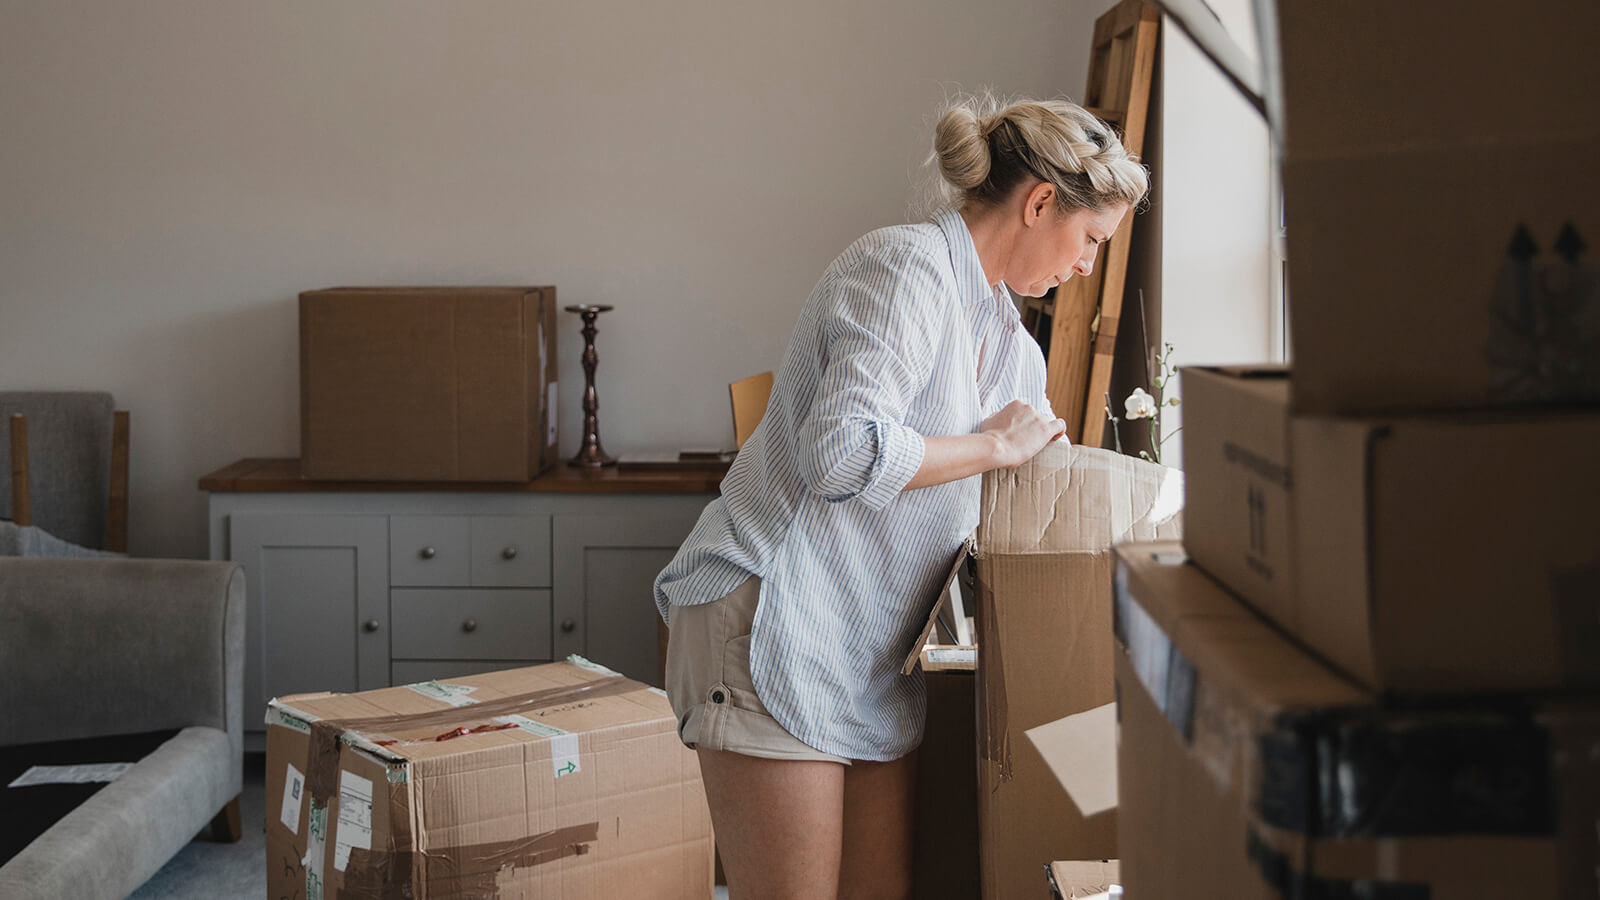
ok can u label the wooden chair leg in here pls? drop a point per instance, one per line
(117, 496)
(21, 511)
(227, 826)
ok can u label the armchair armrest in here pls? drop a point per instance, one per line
(94, 647)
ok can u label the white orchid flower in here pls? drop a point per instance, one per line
(1140, 405)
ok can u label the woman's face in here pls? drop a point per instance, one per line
(1051, 246)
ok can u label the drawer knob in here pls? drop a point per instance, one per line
(509, 553)
(427, 553)
(469, 625)
(370, 625)
(567, 625)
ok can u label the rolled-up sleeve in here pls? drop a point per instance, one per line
(878, 344)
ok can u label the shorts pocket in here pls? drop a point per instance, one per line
(736, 664)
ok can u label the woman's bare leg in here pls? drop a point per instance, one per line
(879, 801)
(779, 824)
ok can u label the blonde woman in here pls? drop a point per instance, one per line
(801, 589)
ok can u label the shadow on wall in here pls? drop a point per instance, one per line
(216, 386)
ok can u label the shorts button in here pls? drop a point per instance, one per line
(717, 697)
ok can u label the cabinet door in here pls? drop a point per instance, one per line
(605, 572)
(316, 607)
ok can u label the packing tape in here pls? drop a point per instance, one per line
(322, 768)
(1382, 773)
(473, 870)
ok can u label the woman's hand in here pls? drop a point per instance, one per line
(1019, 432)
(1005, 440)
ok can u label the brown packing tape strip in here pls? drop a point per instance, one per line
(473, 870)
(322, 768)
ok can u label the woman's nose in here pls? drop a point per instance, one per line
(1085, 263)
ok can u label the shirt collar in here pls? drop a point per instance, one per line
(970, 281)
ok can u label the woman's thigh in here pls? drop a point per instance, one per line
(879, 803)
(779, 824)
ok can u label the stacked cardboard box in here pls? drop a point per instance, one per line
(563, 780)
(1251, 769)
(1042, 558)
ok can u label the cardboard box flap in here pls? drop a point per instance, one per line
(1086, 880)
(933, 614)
(1081, 751)
(1070, 498)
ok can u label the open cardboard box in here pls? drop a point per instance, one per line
(1041, 558)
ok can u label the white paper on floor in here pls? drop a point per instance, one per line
(84, 774)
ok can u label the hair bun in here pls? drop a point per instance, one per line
(961, 145)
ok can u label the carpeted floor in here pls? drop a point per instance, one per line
(215, 871)
(211, 871)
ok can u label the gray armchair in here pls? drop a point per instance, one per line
(95, 647)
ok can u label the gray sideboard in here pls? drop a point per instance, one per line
(352, 587)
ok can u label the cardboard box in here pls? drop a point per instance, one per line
(428, 384)
(1436, 203)
(1085, 880)
(576, 786)
(1443, 553)
(1251, 770)
(1042, 555)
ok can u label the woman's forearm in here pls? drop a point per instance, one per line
(1006, 439)
(954, 457)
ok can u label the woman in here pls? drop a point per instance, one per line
(799, 592)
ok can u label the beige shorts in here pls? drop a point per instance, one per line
(709, 683)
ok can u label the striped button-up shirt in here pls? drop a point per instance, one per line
(902, 337)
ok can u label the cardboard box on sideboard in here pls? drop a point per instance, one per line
(1437, 203)
(1250, 769)
(428, 384)
(562, 780)
(1451, 552)
(1042, 555)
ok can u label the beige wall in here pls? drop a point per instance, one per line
(173, 174)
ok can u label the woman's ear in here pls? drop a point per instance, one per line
(1040, 199)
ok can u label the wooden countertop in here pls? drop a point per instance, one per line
(283, 476)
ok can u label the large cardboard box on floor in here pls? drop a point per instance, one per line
(428, 384)
(1249, 769)
(1439, 190)
(1043, 561)
(562, 780)
(1452, 552)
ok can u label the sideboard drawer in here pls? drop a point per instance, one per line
(430, 551)
(511, 551)
(411, 671)
(469, 624)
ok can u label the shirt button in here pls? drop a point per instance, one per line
(717, 697)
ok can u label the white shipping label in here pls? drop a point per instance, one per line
(354, 828)
(551, 418)
(453, 694)
(564, 754)
(84, 774)
(294, 787)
